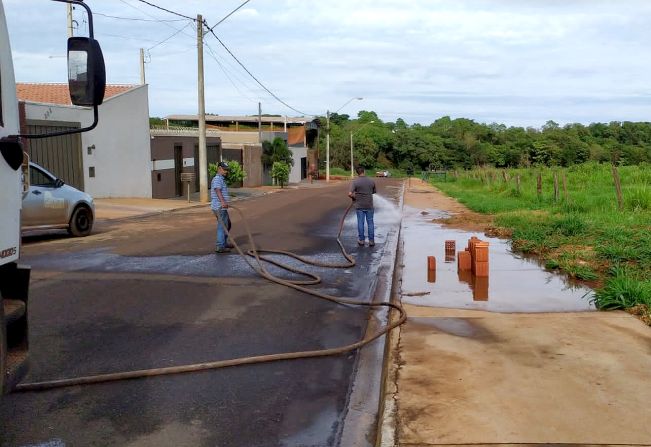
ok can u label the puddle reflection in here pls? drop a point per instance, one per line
(516, 284)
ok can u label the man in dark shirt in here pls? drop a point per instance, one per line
(361, 191)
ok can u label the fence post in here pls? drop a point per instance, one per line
(618, 188)
(539, 185)
(556, 192)
(517, 183)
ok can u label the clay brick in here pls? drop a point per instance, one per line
(431, 263)
(431, 276)
(480, 288)
(465, 276)
(481, 251)
(450, 246)
(480, 269)
(464, 261)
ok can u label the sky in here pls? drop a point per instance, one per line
(514, 62)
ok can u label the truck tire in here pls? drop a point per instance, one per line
(81, 222)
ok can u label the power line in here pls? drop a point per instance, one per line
(214, 56)
(137, 19)
(169, 37)
(166, 10)
(164, 22)
(125, 37)
(229, 14)
(156, 19)
(254, 78)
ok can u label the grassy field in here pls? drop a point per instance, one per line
(580, 230)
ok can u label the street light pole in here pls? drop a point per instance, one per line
(328, 134)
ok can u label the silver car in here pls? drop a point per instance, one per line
(50, 203)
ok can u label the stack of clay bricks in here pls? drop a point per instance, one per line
(450, 250)
(474, 257)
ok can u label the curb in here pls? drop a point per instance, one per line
(365, 403)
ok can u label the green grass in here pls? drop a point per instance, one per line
(582, 232)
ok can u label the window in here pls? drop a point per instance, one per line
(39, 178)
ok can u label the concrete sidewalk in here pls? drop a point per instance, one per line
(463, 372)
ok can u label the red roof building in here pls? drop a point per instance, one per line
(58, 93)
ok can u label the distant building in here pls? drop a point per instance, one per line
(246, 134)
(112, 160)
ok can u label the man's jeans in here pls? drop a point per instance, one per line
(221, 234)
(368, 214)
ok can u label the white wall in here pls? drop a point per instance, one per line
(122, 154)
(295, 173)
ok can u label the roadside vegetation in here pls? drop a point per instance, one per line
(572, 219)
(235, 175)
(461, 143)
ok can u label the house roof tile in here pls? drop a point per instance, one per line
(59, 93)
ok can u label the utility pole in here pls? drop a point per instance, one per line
(203, 158)
(142, 67)
(260, 123)
(69, 13)
(327, 145)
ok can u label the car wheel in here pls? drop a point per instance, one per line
(81, 222)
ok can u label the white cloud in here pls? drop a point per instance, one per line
(510, 61)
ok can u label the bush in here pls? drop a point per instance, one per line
(235, 173)
(280, 173)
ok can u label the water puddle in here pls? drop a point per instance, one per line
(515, 284)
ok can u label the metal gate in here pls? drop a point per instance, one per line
(60, 155)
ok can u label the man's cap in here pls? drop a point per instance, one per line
(222, 165)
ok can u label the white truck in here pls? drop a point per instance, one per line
(86, 80)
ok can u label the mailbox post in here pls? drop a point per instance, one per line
(187, 178)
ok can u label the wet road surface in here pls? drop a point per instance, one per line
(145, 293)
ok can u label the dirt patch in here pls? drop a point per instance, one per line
(420, 194)
(642, 312)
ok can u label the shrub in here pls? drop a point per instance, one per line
(280, 173)
(235, 173)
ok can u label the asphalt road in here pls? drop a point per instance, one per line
(150, 292)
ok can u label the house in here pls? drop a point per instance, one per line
(112, 160)
(246, 134)
(175, 152)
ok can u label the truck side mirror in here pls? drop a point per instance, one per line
(86, 72)
(86, 76)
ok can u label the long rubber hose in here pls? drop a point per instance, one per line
(258, 266)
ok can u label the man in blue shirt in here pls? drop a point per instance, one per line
(219, 206)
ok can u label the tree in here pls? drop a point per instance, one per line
(276, 151)
(280, 173)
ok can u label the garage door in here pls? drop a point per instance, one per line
(60, 155)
